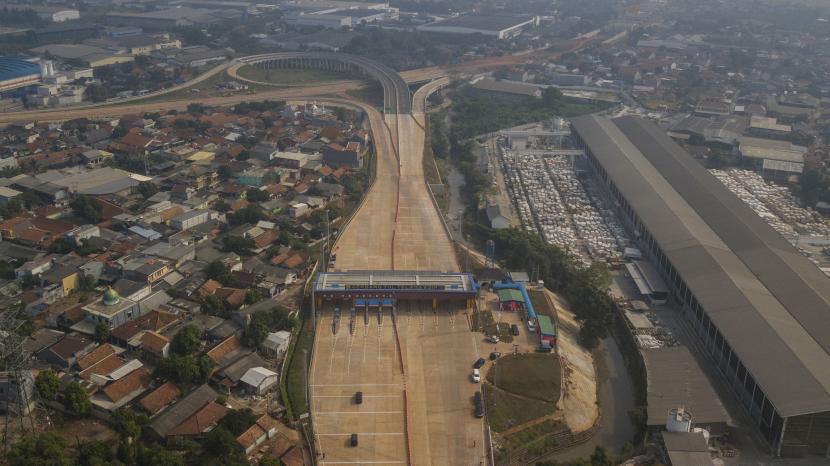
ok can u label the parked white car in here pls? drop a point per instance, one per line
(476, 376)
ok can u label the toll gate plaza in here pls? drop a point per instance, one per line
(402, 339)
(381, 288)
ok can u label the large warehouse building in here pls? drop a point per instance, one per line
(18, 72)
(760, 307)
(500, 26)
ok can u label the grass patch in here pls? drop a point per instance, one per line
(293, 77)
(530, 375)
(371, 94)
(506, 410)
(296, 378)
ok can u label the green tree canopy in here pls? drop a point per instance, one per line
(187, 341)
(47, 384)
(76, 399)
(238, 421)
(239, 245)
(156, 455)
(102, 332)
(46, 449)
(185, 369)
(256, 195)
(147, 189)
(88, 208)
(96, 453)
(264, 322)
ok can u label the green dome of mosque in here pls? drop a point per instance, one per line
(111, 297)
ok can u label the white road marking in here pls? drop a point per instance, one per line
(335, 413)
(356, 385)
(360, 462)
(360, 433)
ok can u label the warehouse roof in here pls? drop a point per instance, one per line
(769, 149)
(484, 22)
(674, 378)
(507, 87)
(14, 67)
(770, 303)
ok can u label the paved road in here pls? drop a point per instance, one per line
(180, 105)
(616, 399)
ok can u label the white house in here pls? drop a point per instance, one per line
(276, 343)
(259, 380)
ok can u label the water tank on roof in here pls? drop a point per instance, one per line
(679, 420)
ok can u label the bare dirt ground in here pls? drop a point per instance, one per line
(579, 400)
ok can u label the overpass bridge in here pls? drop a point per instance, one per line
(396, 95)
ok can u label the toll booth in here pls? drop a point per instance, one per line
(361, 308)
(388, 304)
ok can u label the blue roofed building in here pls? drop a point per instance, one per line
(18, 72)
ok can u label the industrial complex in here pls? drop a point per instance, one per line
(499, 26)
(759, 305)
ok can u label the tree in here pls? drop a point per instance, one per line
(185, 369)
(195, 109)
(212, 305)
(95, 453)
(222, 206)
(251, 213)
(238, 421)
(47, 384)
(220, 443)
(87, 208)
(239, 245)
(812, 185)
(102, 332)
(76, 399)
(253, 296)
(156, 455)
(218, 271)
(224, 172)
(256, 195)
(147, 189)
(6, 270)
(263, 322)
(46, 449)
(551, 96)
(128, 423)
(600, 457)
(61, 245)
(186, 342)
(119, 132)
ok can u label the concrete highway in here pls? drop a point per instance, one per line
(71, 113)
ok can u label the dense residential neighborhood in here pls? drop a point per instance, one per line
(157, 261)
